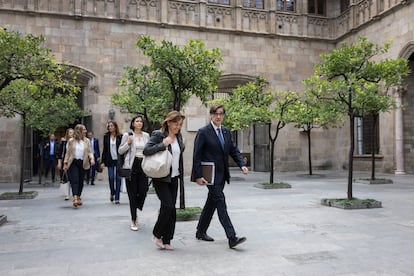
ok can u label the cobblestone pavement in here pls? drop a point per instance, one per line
(288, 231)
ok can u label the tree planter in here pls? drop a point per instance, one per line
(354, 203)
(374, 181)
(189, 213)
(277, 185)
(3, 219)
(16, 195)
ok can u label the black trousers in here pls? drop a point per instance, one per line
(167, 193)
(137, 188)
(216, 200)
(76, 175)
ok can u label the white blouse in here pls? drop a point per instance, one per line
(112, 147)
(175, 158)
(79, 149)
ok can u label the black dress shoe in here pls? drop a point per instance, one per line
(233, 242)
(204, 237)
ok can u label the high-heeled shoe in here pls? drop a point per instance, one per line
(134, 225)
(79, 201)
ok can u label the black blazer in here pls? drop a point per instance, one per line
(207, 148)
(155, 144)
(106, 151)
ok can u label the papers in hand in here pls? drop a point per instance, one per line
(207, 170)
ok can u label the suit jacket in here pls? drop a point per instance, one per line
(130, 150)
(96, 150)
(87, 153)
(155, 144)
(106, 152)
(46, 149)
(207, 148)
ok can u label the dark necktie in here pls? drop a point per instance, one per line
(220, 137)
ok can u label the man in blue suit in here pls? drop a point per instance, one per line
(51, 152)
(213, 143)
(91, 173)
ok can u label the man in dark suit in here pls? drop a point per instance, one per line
(213, 143)
(50, 154)
(91, 173)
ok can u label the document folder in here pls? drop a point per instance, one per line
(207, 170)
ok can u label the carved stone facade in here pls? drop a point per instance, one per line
(99, 36)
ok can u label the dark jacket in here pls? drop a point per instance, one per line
(207, 148)
(106, 151)
(155, 144)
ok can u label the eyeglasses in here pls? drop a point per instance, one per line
(217, 114)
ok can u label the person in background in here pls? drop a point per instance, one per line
(213, 143)
(63, 149)
(78, 158)
(50, 153)
(109, 159)
(132, 147)
(167, 138)
(91, 173)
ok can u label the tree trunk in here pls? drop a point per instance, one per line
(308, 133)
(22, 155)
(272, 153)
(373, 144)
(351, 155)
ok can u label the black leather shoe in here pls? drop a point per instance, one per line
(204, 237)
(233, 242)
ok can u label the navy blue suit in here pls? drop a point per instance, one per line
(207, 148)
(51, 152)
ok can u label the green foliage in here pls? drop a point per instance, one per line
(251, 104)
(354, 80)
(351, 77)
(188, 213)
(172, 77)
(142, 93)
(33, 85)
(248, 104)
(309, 112)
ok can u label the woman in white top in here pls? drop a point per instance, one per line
(78, 158)
(132, 146)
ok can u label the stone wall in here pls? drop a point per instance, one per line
(100, 36)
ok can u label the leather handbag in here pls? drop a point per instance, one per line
(157, 165)
(124, 172)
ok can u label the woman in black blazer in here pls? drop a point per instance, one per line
(168, 137)
(111, 142)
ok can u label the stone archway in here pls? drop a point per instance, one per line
(404, 143)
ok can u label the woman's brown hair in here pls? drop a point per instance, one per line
(173, 116)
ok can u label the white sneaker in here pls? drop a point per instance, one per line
(134, 226)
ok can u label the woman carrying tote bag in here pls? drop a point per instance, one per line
(132, 146)
(168, 137)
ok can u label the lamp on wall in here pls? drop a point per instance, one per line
(111, 114)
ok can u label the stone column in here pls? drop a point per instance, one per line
(78, 8)
(164, 12)
(399, 133)
(203, 14)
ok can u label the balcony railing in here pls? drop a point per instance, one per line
(200, 14)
